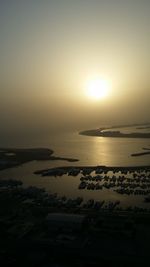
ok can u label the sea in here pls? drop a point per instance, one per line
(90, 151)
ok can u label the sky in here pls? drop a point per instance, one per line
(49, 51)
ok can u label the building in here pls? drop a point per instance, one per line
(64, 221)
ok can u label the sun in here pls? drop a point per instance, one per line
(98, 88)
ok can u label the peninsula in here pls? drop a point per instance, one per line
(142, 153)
(11, 157)
(101, 133)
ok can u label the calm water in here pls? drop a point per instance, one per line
(89, 151)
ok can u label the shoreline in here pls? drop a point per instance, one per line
(109, 132)
(13, 157)
(75, 169)
(140, 154)
(113, 134)
(26, 230)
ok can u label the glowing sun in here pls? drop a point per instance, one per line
(98, 89)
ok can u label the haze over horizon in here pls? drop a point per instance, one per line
(51, 49)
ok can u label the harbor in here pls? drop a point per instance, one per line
(34, 222)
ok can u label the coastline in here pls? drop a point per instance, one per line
(13, 157)
(109, 132)
(114, 134)
(66, 169)
(140, 154)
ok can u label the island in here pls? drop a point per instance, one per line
(142, 153)
(11, 157)
(86, 170)
(101, 133)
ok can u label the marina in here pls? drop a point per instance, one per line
(105, 171)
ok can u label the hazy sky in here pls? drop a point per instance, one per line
(50, 49)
